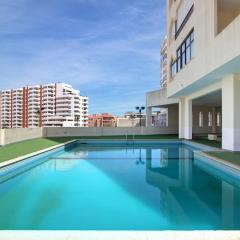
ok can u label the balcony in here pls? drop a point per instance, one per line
(159, 98)
(227, 11)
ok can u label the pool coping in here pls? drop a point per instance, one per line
(119, 235)
(206, 148)
(213, 159)
(217, 160)
(36, 153)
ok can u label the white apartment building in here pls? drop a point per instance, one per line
(159, 115)
(203, 70)
(57, 105)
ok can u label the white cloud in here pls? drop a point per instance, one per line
(117, 52)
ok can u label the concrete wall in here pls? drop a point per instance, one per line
(107, 131)
(8, 136)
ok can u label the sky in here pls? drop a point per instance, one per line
(107, 49)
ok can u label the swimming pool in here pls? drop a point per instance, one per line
(104, 186)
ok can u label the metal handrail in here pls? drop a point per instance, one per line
(128, 139)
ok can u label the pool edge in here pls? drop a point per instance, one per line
(119, 235)
(33, 154)
(217, 160)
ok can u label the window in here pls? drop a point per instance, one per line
(179, 60)
(200, 120)
(173, 68)
(183, 58)
(184, 53)
(218, 119)
(210, 119)
(184, 12)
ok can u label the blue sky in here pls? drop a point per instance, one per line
(108, 49)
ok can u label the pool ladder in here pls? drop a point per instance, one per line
(130, 141)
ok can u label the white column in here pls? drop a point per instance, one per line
(185, 118)
(231, 113)
(181, 118)
(149, 117)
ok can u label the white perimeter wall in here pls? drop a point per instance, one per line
(107, 131)
(8, 136)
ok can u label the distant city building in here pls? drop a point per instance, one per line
(160, 118)
(55, 105)
(102, 120)
(131, 119)
(163, 76)
(134, 115)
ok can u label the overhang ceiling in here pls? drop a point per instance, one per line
(213, 99)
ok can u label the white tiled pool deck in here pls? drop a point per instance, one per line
(119, 235)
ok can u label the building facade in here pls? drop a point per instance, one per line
(132, 119)
(163, 61)
(102, 120)
(56, 105)
(203, 70)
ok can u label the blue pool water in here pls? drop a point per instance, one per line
(119, 187)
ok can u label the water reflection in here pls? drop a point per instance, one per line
(140, 159)
(66, 160)
(190, 195)
(166, 186)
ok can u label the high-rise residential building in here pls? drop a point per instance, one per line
(102, 120)
(163, 60)
(56, 105)
(203, 70)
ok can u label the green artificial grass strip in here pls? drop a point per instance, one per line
(210, 143)
(25, 147)
(233, 157)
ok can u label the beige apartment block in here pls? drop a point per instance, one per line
(203, 70)
(50, 105)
